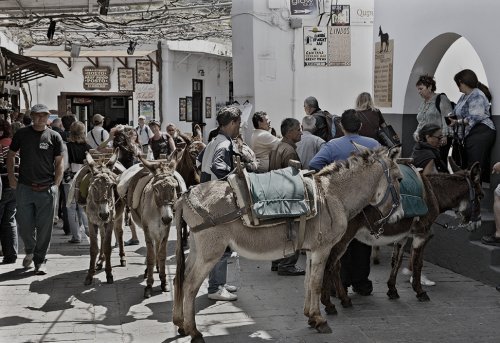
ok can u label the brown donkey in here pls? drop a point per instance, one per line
(461, 192)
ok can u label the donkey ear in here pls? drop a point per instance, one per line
(452, 166)
(394, 153)
(111, 163)
(475, 172)
(90, 160)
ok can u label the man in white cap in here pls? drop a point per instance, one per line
(40, 173)
(98, 134)
(144, 133)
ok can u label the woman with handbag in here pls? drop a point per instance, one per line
(373, 123)
(472, 113)
(432, 110)
(77, 147)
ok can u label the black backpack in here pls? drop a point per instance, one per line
(438, 102)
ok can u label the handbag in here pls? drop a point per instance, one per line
(387, 136)
(457, 152)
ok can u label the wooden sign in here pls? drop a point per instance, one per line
(96, 78)
(382, 74)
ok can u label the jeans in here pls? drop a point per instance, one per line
(35, 219)
(355, 265)
(218, 275)
(76, 217)
(8, 228)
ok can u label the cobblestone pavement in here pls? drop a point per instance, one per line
(57, 307)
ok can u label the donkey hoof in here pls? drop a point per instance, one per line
(123, 263)
(148, 292)
(164, 287)
(324, 328)
(331, 310)
(423, 297)
(98, 266)
(197, 339)
(393, 294)
(109, 279)
(181, 332)
(311, 322)
(346, 303)
(88, 280)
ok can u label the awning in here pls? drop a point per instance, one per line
(19, 68)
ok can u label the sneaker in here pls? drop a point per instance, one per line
(28, 260)
(223, 295)
(74, 240)
(491, 240)
(131, 242)
(406, 271)
(230, 288)
(41, 268)
(424, 281)
(292, 271)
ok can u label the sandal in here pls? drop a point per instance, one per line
(491, 240)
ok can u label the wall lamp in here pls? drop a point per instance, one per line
(131, 48)
(201, 72)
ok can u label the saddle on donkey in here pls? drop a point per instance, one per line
(412, 192)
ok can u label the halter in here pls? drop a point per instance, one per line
(390, 190)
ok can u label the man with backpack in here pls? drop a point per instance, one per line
(98, 134)
(325, 122)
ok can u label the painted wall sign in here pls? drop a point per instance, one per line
(96, 78)
(315, 46)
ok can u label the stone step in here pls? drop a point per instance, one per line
(454, 249)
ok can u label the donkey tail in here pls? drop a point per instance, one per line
(179, 251)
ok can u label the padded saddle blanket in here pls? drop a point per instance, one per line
(412, 190)
(278, 193)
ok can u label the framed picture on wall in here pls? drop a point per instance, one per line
(189, 108)
(126, 79)
(143, 71)
(208, 107)
(147, 109)
(182, 109)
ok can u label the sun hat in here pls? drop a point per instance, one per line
(40, 108)
(142, 117)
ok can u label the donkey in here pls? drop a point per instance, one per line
(460, 191)
(384, 39)
(105, 211)
(154, 214)
(343, 190)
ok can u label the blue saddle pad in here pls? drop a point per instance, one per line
(412, 190)
(278, 193)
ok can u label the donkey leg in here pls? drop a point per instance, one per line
(107, 251)
(162, 255)
(150, 263)
(417, 263)
(345, 301)
(315, 279)
(328, 285)
(397, 257)
(118, 229)
(100, 260)
(94, 250)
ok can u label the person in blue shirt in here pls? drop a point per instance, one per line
(355, 264)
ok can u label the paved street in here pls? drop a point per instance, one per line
(59, 308)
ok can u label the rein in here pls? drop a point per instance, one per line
(391, 190)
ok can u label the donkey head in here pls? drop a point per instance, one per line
(469, 208)
(101, 193)
(387, 198)
(164, 188)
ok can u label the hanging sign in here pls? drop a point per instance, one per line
(96, 78)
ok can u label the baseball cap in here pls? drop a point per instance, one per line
(40, 108)
(142, 117)
(97, 118)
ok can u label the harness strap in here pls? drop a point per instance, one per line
(302, 232)
(226, 218)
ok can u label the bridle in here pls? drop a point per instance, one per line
(390, 191)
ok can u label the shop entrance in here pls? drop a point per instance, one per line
(113, 106)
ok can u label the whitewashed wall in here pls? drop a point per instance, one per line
(269, 65)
